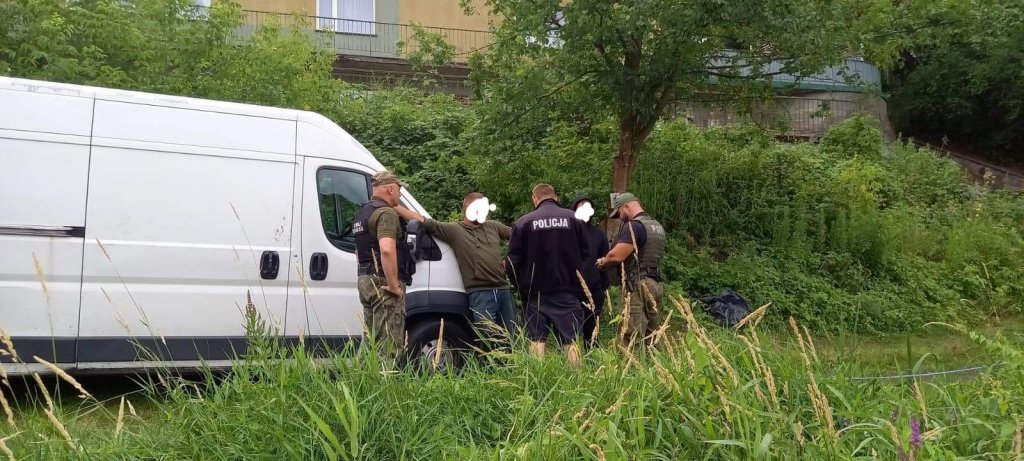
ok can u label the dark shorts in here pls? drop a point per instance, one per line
(562, 312)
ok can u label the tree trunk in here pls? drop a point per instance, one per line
(632, 136)
(623, 165)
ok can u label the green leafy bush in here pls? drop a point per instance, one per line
(849, 234)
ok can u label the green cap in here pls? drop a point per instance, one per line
(386, 177)
(619, 200)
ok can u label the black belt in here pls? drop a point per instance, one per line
(367, 269)
(651, 272)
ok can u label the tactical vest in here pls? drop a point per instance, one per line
(648, 259)
(368, 246)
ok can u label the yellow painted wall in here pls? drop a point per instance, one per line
(304, 7)
(443, 13)
(430, 13)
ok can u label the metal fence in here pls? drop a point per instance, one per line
(807, 117)
(367, 38)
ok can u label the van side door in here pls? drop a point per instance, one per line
(44, 169)
(332, 193)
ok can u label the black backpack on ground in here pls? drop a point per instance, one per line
(726, 309)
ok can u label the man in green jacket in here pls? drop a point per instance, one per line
(477, 247)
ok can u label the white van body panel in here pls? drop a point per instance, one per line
(44, 160)
(147, 216)
(182, 203)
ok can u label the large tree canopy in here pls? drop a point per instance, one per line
(633, 60)
(964, 80)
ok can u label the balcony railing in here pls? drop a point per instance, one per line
(368, 38)
(389, 40)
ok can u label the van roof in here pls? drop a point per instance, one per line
(137, 97)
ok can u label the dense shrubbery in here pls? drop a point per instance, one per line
(848, 234)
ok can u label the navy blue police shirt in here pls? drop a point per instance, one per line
(545, 250)
(638, 238)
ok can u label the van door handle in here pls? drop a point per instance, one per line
(318, 266)
(270, 263)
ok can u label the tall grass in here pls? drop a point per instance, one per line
(708, 394)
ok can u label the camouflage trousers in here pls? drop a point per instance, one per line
(383, 314)
(640, 312)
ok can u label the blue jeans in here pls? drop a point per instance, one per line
(494, 305)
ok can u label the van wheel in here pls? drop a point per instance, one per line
(427, 351)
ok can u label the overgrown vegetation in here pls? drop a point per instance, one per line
(850, 235)
(705, 395)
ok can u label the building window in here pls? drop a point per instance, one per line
(346, 16)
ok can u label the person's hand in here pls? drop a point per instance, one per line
(395, 291)
(601, 262)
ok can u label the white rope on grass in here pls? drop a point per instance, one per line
(925, 375)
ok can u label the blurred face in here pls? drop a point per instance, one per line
(584, 211)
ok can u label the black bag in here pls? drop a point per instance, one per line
(727, 309)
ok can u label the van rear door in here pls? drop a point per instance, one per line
(44, 166)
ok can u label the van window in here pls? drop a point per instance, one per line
(341, 195)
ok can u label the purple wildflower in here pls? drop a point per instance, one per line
(915, 433)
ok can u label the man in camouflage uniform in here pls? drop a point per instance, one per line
(383, 258)
(640, 245)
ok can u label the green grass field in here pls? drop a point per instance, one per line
(708, 394)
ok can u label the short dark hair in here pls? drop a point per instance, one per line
(470, 197)
(544, 191)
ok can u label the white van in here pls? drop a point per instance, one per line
(135, 228)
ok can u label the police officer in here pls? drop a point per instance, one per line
(640, 245)
(545, 250)
(384, 261)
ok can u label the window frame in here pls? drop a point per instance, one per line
(332, 17)
(319, 210)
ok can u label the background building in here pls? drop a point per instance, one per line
(373, 38)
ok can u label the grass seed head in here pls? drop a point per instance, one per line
(1018, 442)
(120, 419)
(920, 401)
(61, 429)
(4, 449)
(5, 338)
(42, 277)
(64, 375)
(44, 390)
(7, 410)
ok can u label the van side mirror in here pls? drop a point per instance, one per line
(421, 245)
